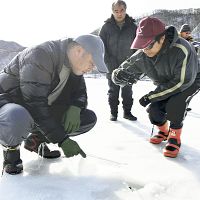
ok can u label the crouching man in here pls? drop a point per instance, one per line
(43, 92)
(172, 64)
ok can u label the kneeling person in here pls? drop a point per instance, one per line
(43, 92)
(172, 64)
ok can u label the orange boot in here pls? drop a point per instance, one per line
(162, 134)
(174, 142)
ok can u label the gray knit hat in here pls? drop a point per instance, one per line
(94, 45)
(185, 28)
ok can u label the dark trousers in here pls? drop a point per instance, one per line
(16, 123)
(172, 108)
(88, 118)
(113, 97)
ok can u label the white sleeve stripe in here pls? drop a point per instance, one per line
(182, 77)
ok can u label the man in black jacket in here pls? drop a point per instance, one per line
(185, 32)
(117, 34)
(171, 62)
(43, 92)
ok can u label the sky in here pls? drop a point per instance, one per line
(121, 164)
(30, 22)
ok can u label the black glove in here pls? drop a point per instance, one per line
(123, 78)
(144, 101)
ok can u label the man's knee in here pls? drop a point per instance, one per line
(17, 114)
(88, 117)
(156, 115)
(88, 120)
(16, 123)
(176, 110)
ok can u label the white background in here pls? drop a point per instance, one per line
(30, 22)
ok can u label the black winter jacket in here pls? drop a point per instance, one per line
(117, 41)
(32, 75)
(173, 70)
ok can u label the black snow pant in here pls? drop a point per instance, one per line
(172, 108)
(113, 97)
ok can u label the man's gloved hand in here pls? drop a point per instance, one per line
(123, 78)
(190, 38)
(71, 119)
(71, 148)
(144, 101)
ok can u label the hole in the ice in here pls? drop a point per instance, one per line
(134, 186)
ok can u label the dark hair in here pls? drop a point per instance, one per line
(119, 3)
(158, 37)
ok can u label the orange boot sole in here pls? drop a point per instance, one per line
(174, 143)
(173, 153)
(157, 139)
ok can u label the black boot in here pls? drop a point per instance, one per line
(36, 142)
(113, 117)
(128, 115)
(114, 112)
(12, 163)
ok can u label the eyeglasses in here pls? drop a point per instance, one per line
(150, 46)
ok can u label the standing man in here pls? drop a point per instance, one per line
(185, 32)
(42, 91)
(117, 34)
(172, 64)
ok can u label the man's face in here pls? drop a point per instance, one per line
(119, 13)
(83, 63)
(154, 48)
(186, 35)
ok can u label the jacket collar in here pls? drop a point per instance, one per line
(171, 38)
(128, 19)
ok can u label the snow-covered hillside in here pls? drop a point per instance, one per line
(121, 164)
(7, 51)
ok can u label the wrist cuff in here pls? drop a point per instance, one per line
(60, 143)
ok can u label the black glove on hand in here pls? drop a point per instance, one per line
(144, 101)
(123, 78)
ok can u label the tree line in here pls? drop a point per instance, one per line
(177, 18)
